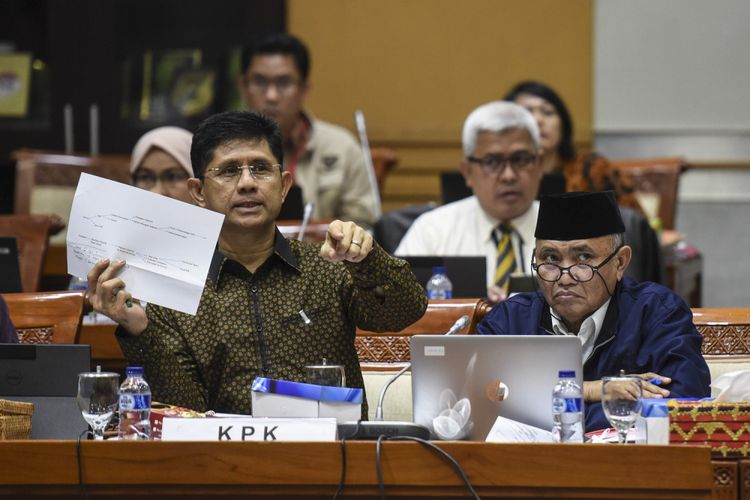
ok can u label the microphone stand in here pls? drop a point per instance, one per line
(379, 427)
(305, 220)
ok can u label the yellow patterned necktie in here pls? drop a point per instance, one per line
(506, 258)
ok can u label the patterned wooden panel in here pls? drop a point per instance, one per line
(745, 479)
(382, 349)
(725, 330)
(35, 335)
(725, 480)
(725, 339)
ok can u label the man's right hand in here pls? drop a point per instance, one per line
(107, 295)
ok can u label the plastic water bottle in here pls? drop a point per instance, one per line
(135, 405)
(77, 283)
(567, 409)
(439, 286)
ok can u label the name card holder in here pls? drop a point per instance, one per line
(248, 429)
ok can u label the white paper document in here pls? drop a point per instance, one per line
(167, 244)
(506, 430)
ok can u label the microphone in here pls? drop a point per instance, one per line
(359, 119)
(305, 220)
(379, 427)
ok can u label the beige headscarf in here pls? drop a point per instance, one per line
(173, 140)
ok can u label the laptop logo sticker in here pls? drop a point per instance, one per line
(434, 350)
(497, 391)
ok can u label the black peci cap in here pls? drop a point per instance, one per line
(578, 216)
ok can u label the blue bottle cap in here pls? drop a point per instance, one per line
(567, 374)
(438, 270)
(134, 371)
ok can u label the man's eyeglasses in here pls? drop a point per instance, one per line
(495, 164)
(259, 85)
(579, 272)
(145, 179)
(231, 173)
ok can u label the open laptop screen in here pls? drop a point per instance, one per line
(46, 375)
(473, 366)
(467, 274)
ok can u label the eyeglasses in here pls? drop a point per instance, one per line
(579, 272)
(145, 179)
(259, 85)
(231, 173)
(495, 164)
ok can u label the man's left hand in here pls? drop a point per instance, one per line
(346, 241)
(592, 391)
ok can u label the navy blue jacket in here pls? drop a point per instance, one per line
(7, 331)
(647, 328)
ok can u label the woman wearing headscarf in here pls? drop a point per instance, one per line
(161, 164)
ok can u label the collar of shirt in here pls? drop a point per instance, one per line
(282, 253)
(523, 224)
(590, 328)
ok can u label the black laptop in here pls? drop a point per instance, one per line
(10, 273)
(467, 274)
(46, 375)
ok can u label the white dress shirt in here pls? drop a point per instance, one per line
(462, 228)
(590, 328)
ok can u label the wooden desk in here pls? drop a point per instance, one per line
(179, 470)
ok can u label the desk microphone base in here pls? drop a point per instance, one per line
(372, 430)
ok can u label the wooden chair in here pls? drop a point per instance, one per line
(383, 161)
(35, 169)
(658, 177)
(726, 331)
(726, 339)
(389, 349)
(46, 317)
(32, 236)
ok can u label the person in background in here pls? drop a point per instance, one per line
(160, 162)
(642, 328)
(501, 165)
(8, 333)
(270, 306)
(323, 159)
(565, 170)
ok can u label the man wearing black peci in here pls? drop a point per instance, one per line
(642, 328)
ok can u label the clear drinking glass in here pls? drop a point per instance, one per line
(98, 394)
(325, 374)
(621, 401)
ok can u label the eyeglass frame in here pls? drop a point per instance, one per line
(250, 168)
(563, 270)
(259, 85)
(160, 178)
(503, 162)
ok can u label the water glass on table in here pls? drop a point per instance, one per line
(97, 398)
(621, 402)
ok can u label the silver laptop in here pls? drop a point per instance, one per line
(46, 375)
(507, 375)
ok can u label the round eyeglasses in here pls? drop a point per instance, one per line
(495, 164)
(229, 174)
(579, 272)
